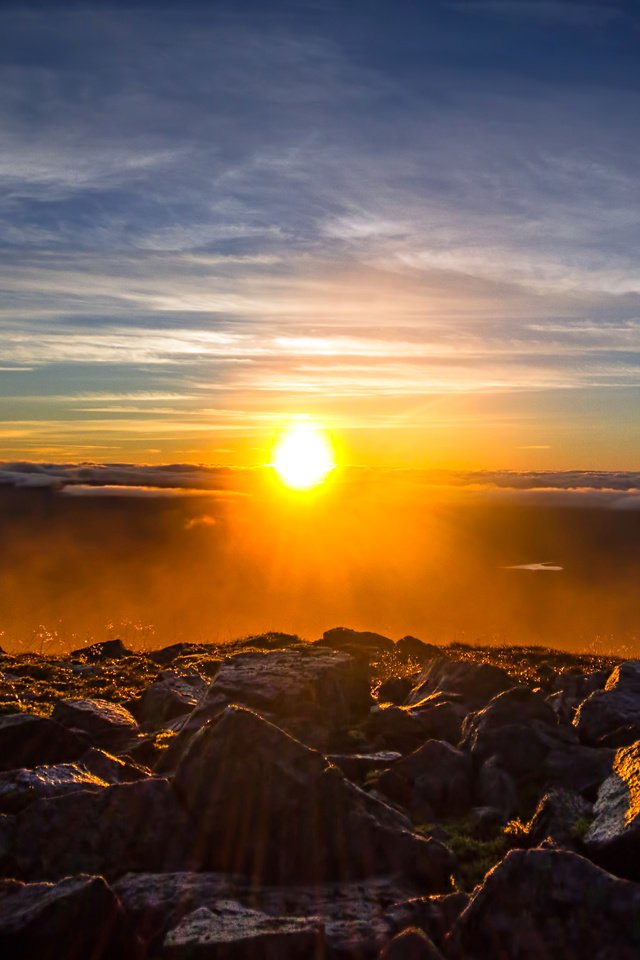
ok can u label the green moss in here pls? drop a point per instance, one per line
(580, 827)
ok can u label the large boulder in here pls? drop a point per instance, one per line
(283, 814)
(79, 918)
(311, 692)
(121, 828)
(539, 904)
(435, 778)
(617, 706)
(613, 838)
(105, 650)
(228, 930)
(19, 788)
(406, 728)
(410, 648)
(102, 721)
(27, 740)
(358, 642)
(476, 683)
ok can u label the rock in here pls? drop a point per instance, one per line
(363, 642)
(539, 904)
(310, 692)
(358, 917)
(561, 815)
(434, 915)
(410, 648)
(357, 766)
(411, 944)
(228, 930)
(27, 740)
(271, 641)
(441, 720)
(79, 918)
(170, 696)
(578, 768)
(477, 683)
(407, 728)
(284, 815)
(620, 737)
(519, 705)
(121, 828)
(112, 769)
(167, 655)
(106, 650)
(495, 788)
(19, 788)
(618, 705)
(394, 690)
(613, 839)
(435, 774)
(101, 720)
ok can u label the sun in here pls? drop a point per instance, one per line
(303, 456)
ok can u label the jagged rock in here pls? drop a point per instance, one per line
(477, 683)
(496, 788)
(613, 839)
(362, 642)
(561, 815)
(27, 740)
(571, 688)
(436, 774)
(411, 944)
(539, 904)
(311, 692)
(228, 929)
(171, 695)
(101, 720)
(410, 648)
(435, 915)
(358, 917)
(112, 769)
(106, 650)
(519, 705)
(79, 918)
(357, 766)
(19, 788)
(394, 690)
(618, 705)
(121, 828)
(285, 815)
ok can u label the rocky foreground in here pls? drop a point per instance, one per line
(351, 798)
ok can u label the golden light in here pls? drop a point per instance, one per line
(303, 456)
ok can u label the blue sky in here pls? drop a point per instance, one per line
(417, 222)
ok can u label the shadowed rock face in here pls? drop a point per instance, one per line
(615, 707)
(19, 788)
(79, 918)
(27, 741)
(99, 719)
(539, 904)
(293, 817)
(614, 836)
(476, 683)
(435, 777)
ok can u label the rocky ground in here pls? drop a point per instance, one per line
(351, 798)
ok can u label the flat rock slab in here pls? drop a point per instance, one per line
(97, 718)
(79, 918)
(542, 904)
(19, 788)
(229, 931)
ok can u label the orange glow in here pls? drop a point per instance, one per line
(303, 456)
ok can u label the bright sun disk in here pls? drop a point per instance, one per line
(303, 457)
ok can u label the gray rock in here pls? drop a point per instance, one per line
(496, 788)
(79, 918)
(310, 692)
(618, 705)
(19, 788)
(539, 904)
(121, 828)
(477, 683)
(112, 769)
(106, 650)
(561, 815)
(99, 719)
(226, 930)
(372, 645)
(27, 740)
(613, 838)
(435, 774)
(171, 695)
(357, 766)
(435, 915)
(284, 815)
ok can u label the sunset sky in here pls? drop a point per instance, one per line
(418, 223)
